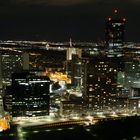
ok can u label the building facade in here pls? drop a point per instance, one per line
(101, 83)
(30, 95)
(10, 62)
(114, 34)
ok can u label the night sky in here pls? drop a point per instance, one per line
(59, 20)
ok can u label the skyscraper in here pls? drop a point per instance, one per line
(132, 78)
(9, 62)
(102, 68)
(101, 81)
(114, 33)
(76, 74)
(30, 95)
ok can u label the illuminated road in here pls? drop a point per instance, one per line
(63, 128)
(92, 119)
(63, 132)
(77, 129)
(45, 124)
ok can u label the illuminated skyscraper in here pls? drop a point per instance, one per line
(101, 82)
(9, 62)
(30, 95)
(132, 72)
(132, 64)
(76, 74)
(114, 33)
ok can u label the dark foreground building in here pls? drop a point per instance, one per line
(30, 95)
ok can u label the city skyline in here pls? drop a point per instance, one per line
(60, 20)
(69, 69)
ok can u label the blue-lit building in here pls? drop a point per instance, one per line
(114, 34)
(30, 95)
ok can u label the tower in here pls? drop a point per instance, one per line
(114, 32)
(101, 77)
(76, 73)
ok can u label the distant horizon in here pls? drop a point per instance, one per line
(64, 41)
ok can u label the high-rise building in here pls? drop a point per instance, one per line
(114, 33)
(132, 75)
(103, 67)
(30, 95)
(101, 83)
(132, 64)
(74, 68)
(76, 73)
(10, 62)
